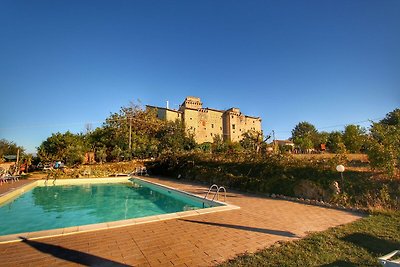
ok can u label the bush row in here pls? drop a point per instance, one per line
(285, 175)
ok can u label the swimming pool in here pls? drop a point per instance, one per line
(66, 205)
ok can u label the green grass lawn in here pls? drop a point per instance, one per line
(356, 244)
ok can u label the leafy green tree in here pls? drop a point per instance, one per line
(335, 142)
(392, 118)
(383, 144)
(218, 145)
(322, 137)
(101, 154)
(305, 136)
(69, 148)
(116, 153)
(134, 130)
(75, 154)
(9, 148)
(354, 138)
(173, 137)
(131, 132)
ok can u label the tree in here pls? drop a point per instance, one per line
(173, 137)
(116, 153)
(383, 144)
(322, 137)
(9, 148)
(218, 144)
(101, 154)
(131, 132)
(354, 138)
(253, 141)
(67, 147)
(392, 118)
(305, 136)
(134, 130)
(335, 142)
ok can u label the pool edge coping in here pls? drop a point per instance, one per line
(18, 237)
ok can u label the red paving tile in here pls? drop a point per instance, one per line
(202, 240)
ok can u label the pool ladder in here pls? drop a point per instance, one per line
(216, 194)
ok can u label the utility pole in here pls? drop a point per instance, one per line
(273, 141)
(130, 132)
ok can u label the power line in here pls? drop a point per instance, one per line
(68, 124)
(337, 125)
(341, 125)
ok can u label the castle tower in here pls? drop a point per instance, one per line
(192, 102)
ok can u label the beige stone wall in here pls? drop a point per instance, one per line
(166, 114)
(190, 118)
(161, 114)
(172, 115)
(236, 124)
(209, 125)
(253, 124)
(215, 124)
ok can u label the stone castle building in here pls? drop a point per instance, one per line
(207, 123)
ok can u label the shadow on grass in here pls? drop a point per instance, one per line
(339, 263)
(371, 243)
(71, 255)
(246, 228)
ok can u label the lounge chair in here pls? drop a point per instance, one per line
(4, 178)
(140, 171)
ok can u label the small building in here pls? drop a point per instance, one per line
(10, 158)
(284, 145)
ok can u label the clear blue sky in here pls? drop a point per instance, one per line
(67, 63)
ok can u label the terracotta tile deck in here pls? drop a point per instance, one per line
(201, 240)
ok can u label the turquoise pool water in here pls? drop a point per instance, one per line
(51, 207)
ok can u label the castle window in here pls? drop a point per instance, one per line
(233, 126)
(190, 118)
(232, 117)
(212, 125)
(211, 134)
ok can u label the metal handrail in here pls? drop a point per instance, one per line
(218, 188)
(209, 190)
(223, 188)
